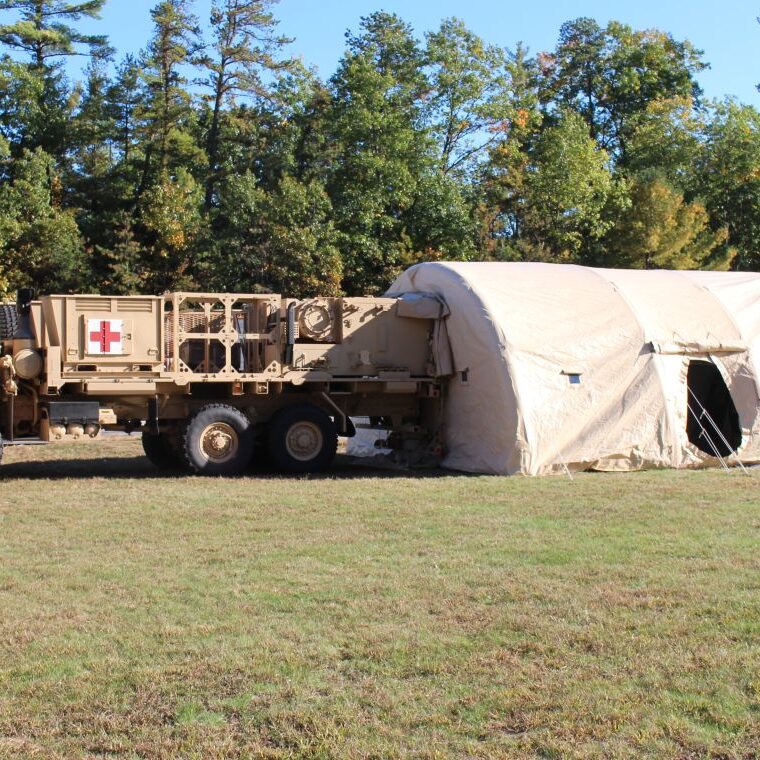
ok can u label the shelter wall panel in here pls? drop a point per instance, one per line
(675, 311)
(522, 331)
(481, 405)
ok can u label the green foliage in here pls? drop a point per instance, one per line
(729, 178)
(166, 114)
(383, 150)
(245, 47)
(667, 136)
(298, 240)
(7, 225)
(469, 99)
(610, 75)
(295, 135)
(43, 34)
(442, 225)
(567, 187)
(394, 203)
(222, 164)
(41, 244)
(552, 191)
(659, 230)
(238, 265)
(124, 99)
(170, 211)
(119, 264)
(35, 108)
(277, 241)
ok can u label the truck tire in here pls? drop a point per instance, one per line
(302, 438)
(8, 321)
(162, 451)
(218, 440)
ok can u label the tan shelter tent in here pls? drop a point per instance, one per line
(561, 366)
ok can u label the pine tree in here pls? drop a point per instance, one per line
(94, 127)
(166, 113)
(43, 31)
(383, 149)
(124, 98)
(245, 48)
(119, 266)
(36, 106)
(35, 109)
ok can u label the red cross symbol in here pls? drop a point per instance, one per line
(105, 337)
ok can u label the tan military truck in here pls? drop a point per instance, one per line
(213, 381)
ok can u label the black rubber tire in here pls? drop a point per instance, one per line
(237, 423)
(281, 425)
(1, 449)
(162, 451)
(8, 321)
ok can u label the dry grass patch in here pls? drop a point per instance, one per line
(357, 615)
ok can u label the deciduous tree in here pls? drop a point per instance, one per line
(468, 102)
(170, 212)
(729, 178)
(609, 75)
(660, 230)
(42, 246)
(567, 187)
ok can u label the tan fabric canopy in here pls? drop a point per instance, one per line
(561, 366)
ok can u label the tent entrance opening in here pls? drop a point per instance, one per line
(712, 422)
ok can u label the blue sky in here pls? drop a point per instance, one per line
(727, 31)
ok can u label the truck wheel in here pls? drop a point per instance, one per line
(218, 440)
(8, 321)
(161, 452)
(302, 438)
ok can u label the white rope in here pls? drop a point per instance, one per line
(709, 440)
(565, 467)
(723, 438)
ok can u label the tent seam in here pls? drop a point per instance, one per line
(647, 338)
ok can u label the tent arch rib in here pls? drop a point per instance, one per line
(479, 344)
(684, 276)
(646, 338)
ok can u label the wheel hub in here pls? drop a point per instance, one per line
(219, 442)
(304, 441)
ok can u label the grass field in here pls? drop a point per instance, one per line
(354, 616)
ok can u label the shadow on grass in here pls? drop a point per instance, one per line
(345, 468)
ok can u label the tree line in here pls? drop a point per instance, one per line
(217, 162)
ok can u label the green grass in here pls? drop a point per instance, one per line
(350, 616)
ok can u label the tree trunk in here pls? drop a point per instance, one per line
(213, 140)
